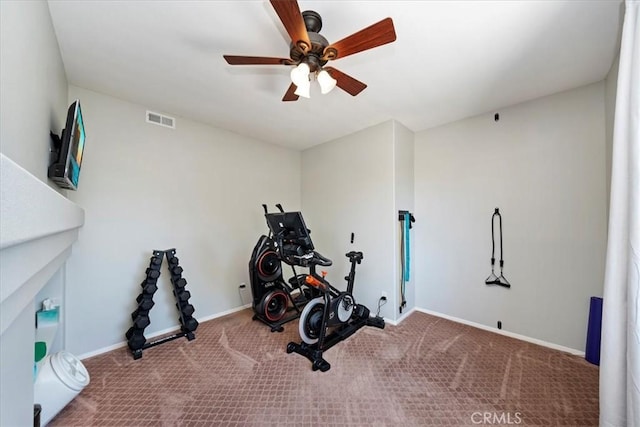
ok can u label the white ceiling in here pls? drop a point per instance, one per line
(451, 60)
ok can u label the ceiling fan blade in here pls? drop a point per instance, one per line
(290, 95)
(346, 82)
(289, 13)
(255, 60)
(374, 35)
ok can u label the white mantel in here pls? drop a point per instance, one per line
(37, 228)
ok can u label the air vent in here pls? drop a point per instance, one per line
(161, 119)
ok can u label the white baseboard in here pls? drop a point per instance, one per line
(224, 313)
(505, 333)
(400, 319)
(387, 321)
(162, 332)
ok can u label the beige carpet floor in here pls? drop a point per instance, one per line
(426, 371)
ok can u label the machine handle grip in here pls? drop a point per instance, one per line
(321, 260)
(315, 282)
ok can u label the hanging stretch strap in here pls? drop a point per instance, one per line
(501, 250)
(406, 218)
(493, 244)
(492, 279)
(406, 259)
(493, 239)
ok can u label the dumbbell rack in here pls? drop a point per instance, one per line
(140, 316)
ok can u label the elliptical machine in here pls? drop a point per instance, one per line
(275, 301)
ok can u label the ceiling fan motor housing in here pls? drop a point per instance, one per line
(314, 56)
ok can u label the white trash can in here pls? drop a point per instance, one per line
(62, 377)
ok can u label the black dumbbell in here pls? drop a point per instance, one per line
(156, 260)
(179, 283)
(176, 271)
(152, 274)
(130, 332)
(135, 339)
(190, 324)
(145, 302)
(140, 321)
(139, 312)
(133, 331)
(183, 296)
(173, 260)
(186, 309)
(149, 288)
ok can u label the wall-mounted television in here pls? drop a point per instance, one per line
(67, 150)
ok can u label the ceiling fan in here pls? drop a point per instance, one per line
(309, 51)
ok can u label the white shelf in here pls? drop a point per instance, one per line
(37, 228)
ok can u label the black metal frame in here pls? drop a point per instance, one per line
(261, 286)
(297, 303)
(178, 283)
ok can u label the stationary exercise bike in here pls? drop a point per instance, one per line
(276, 301)
(332, 317)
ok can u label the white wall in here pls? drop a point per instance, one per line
(16, 345)
(33, 102)
(145, 187)
(543, 165)
(403, 149)
(347, 186)
(37, 229)
(33, 85)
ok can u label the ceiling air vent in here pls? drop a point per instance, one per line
(161, 119)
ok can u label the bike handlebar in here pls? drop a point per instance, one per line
(309, 259)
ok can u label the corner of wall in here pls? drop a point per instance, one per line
(403, 199)
(543, 165)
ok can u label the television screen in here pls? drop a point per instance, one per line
(68, 150)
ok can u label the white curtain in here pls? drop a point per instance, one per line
(620, 345)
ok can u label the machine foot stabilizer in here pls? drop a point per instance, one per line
(313, 352)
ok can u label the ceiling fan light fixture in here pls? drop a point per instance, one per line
(300, 74)
(309, 51)
(303, 89)
(326, 82)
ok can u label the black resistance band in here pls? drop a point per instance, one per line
(492, 279)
